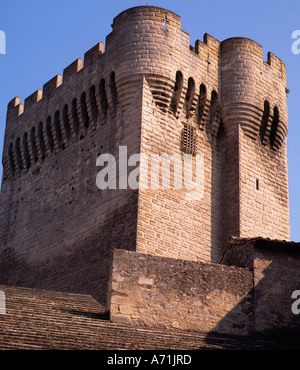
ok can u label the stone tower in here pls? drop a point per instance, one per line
(152, 93)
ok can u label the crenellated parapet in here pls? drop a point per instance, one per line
(202, 84)
(215, 104)
(53, 117)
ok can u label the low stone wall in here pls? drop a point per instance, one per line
(155, 291)
(276, 275)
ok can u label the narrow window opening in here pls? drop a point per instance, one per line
(165, 24)
(274, 127)
(42, 140)
(49, 134)
(264, 121)
(177, 91)
(66, 122)
(18, 154)
(75, 116)
(26, 151)
(11, 159)
(113, 89)
(213, 106)
(221, 131)
(257, 184)
(103, 98)
(57, 128)
(94, 103)
(84, 111)
(189, 97)
(33, 145)
(202, 103)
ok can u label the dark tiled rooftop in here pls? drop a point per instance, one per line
(259, 241)
(48, 320)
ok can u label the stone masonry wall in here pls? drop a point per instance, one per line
(274, 286)
(168, 223)
(57, 226)
(154, 93)
(254, 104)
(162, 292)
(275, 266)
(264, 201)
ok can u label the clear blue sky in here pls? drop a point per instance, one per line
(43, 37)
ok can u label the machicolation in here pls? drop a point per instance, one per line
(153, 93)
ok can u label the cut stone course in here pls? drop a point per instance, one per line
(212, 261)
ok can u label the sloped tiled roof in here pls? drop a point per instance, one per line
(261, 243)
(48, 320)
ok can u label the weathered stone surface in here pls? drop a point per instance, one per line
(276, 275)
(153, 93)
(48, 320)
(161, 292)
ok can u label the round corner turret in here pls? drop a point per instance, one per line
(247, 83)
